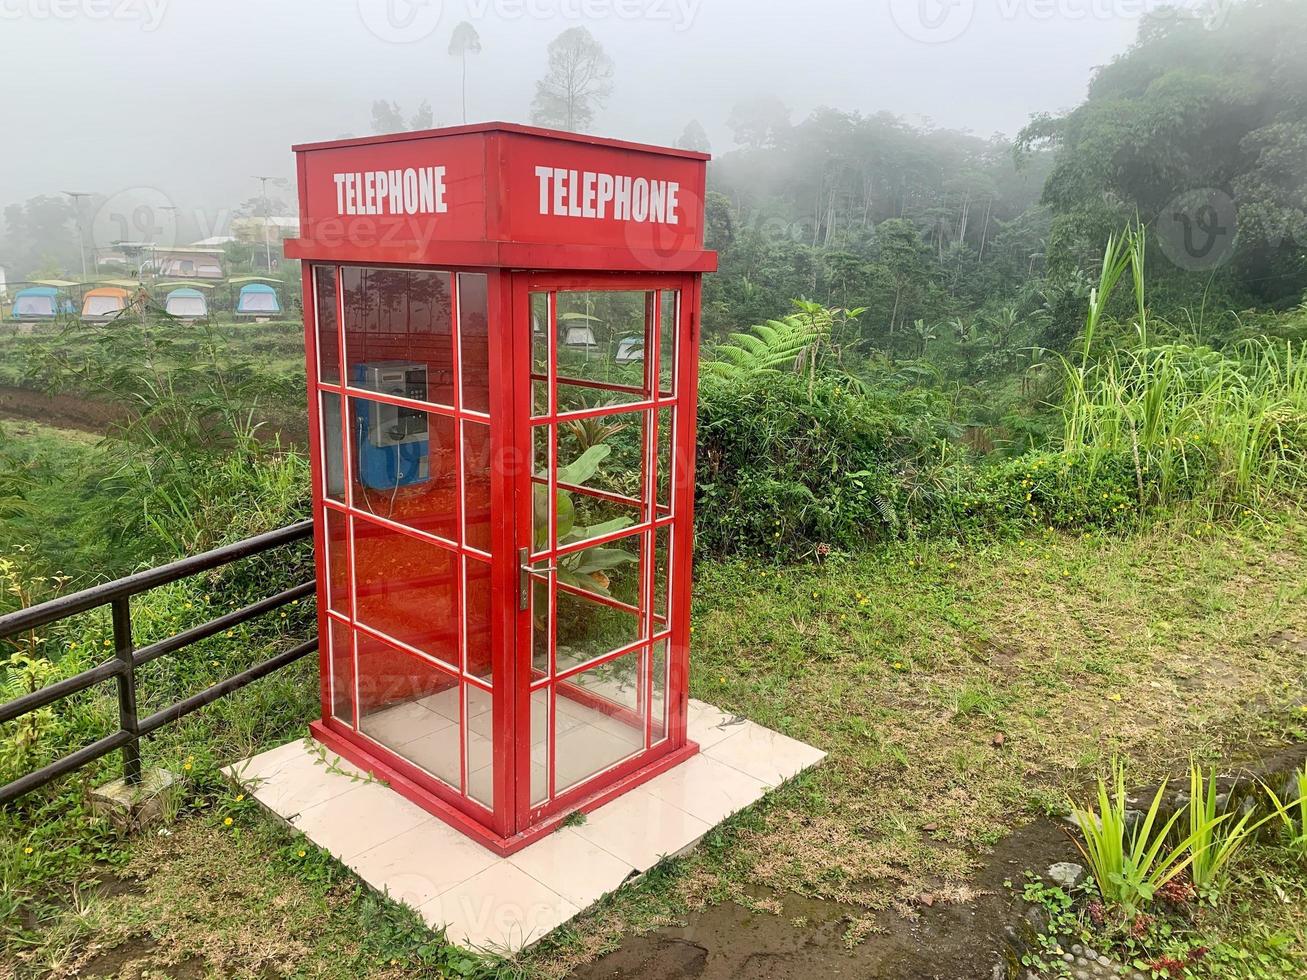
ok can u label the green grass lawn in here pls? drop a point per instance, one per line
(904, 666)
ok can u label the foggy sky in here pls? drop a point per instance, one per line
(217, 90)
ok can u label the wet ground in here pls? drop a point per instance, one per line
(943, 941)
(978, 939)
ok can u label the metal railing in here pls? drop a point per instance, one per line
(122, 666)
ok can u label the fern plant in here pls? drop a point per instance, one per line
(808, 341)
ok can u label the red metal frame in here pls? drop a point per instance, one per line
(660, 262)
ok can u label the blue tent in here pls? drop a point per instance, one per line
(186, 304)
(36, 303)
(257, 299)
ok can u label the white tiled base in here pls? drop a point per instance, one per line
(499, 904)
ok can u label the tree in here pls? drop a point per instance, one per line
(693, 137)
(464, 41)
(386, 117)
(577, 83)
(41, 233)
(423, 118)
(759, 122)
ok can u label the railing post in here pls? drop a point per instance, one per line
(124, 649)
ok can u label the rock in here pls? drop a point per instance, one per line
(930, 828)
(926, 899)
(1066, 874)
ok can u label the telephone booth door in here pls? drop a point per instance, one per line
(600, 381)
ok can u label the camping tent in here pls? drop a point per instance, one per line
(257, 299)
(104, 303)
(186, 304)
(36, 303)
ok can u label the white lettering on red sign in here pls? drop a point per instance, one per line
(417, 190)
(600, 196)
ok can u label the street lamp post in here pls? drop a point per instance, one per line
(81, 231)
(263, 194)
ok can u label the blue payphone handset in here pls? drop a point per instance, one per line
(393, 442)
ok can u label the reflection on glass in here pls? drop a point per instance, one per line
(540, 331)
(399, 332)
(601, 456)
(474, 341)
(328, 318)
(591, 583)
(540, 624)
(480, 748)
(541, 512)
(405, 466)
(664, 462)
(604, 703)
(662, 571)
(601, 337)
(476, 634)
(476, 485)
(406, 589)
(335, 530)
(658, 695)
(667, 328)
(539, 746)
(333, 447)
(342, 672)
(410, 707)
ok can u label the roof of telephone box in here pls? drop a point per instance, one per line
(503, 127)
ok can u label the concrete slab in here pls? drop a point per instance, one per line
(501, 905)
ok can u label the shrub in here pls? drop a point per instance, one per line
(780, 472)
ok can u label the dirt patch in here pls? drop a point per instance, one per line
(957, 933)
(62, 411)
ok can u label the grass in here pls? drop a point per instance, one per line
(904, 665)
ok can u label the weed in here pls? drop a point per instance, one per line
(1130, 864)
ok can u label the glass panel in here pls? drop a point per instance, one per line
(474, 341)
(589, 581)
(658, 696)
(480, 747)
(540, 353)
(605, 702)
(405, 466)
(476, 633)
(605, 455)
(335, 531)
(602, 335)
(664, 462)
(399, 332)
(540, 512)
(662, 566)
(324, 299)
(667, 328)
(540, 624)
(410, 707)
(539, 746)
(342, 672)
(333, 452)
(476, 485)
(407, 589)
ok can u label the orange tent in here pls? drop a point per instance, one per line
(104, 303)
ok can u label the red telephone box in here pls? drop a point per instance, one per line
(501, 326)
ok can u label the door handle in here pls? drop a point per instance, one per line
(524, 571)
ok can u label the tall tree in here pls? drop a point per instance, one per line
(576, 85)
(693, 137)
(386, 117)
(464, 41)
